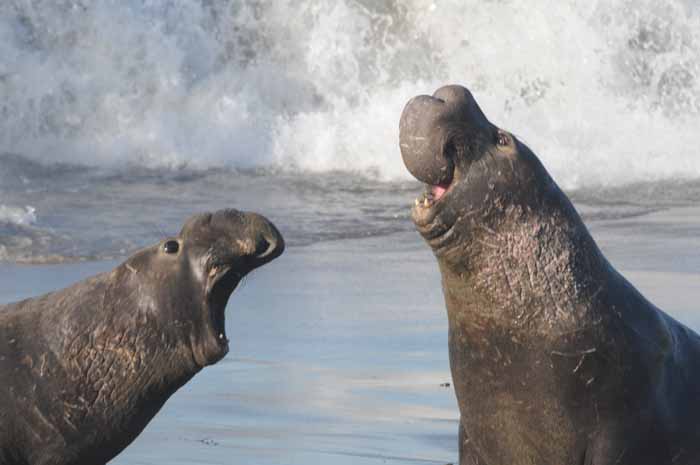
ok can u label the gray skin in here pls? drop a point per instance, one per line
(556, 358)
(84, 369)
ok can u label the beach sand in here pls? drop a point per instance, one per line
(339, 349)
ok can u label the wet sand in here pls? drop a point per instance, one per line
(338, 350)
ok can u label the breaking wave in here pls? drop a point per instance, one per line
(606, 92)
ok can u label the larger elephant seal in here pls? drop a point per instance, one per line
(84, 369)
(556, 359)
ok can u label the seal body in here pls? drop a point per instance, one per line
(84, 369)
(556, 358)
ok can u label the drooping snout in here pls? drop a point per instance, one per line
(431, 126)
(248, 239)
(252, 237)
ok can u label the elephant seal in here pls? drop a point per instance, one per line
(84, 369)
(556, 358)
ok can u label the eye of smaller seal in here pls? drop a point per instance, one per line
(171, 247)
(502, 139)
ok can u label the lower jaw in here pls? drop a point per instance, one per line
(436, 229)
(442, 241)
(428, 221)
(219, 347)
(221, 353)
(210, 351)
(428, 206)
(424, 214)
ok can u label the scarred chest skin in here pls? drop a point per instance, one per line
(89, 378)
(532, 353)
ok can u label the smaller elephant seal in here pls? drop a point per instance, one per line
(556, 359)
(84, 369)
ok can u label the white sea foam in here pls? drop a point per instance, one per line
(17, 215)
(606, 92)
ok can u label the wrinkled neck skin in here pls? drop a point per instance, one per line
(519, 256)
(99, 361)
(525, 270)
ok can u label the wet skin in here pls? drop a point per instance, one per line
(556, 358)
(84, 369)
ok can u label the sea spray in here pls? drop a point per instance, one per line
(17, 215)
(606, 92)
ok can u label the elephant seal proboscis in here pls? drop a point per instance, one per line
(84, 369)
(556, 358)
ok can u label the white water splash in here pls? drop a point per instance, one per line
(17, 215)
(606, 92)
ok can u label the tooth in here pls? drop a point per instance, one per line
(213, 271)
(425, 202)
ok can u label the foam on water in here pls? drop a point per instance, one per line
(606, 92)
(17, 215)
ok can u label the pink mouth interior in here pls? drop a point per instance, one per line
(439, 191)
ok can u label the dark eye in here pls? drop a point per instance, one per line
(502, 140)
(171, 247)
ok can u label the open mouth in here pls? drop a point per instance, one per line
(439, 190)
(431, 196)
(432, 220)
(223, 280)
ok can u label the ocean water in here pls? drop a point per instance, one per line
(120, 118)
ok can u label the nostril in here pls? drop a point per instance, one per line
(265, 246)
(269, 243)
